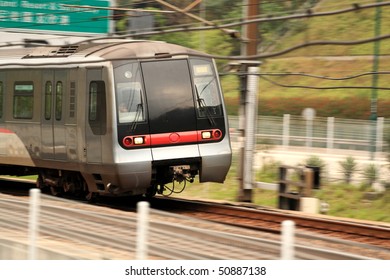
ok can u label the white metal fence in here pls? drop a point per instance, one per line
(51, 228)
(332, 133)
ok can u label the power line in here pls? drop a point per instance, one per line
(251, 57)
(309, 13)
(314, 43)
(327, 77)
(269, 18)
(321, 88)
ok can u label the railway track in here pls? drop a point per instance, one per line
(269, 220)
(350, 238)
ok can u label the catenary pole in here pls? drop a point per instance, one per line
(248, 100)
(374, 92)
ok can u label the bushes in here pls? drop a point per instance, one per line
(348, 168)
(350, 108)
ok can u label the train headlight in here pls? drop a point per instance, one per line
(139, 140)
(206, 134)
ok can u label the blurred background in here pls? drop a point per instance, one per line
(331, 56)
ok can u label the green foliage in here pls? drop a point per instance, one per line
(371, 174)
(348, 167)
(353, 107)
(269, 172)
(214, 42)
(315, 161)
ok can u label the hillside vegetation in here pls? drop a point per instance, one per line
(327, 61)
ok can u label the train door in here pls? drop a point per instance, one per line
(171, 109)
(3, 146)
(53, 129)
(95, 115)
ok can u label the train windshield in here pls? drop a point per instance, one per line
(128, 83)
(206, 89)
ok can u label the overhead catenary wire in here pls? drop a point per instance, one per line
(268, 55)
(327, 77)
(308, 14)
(264, 77)
(321, 88)
(268, 18)
(248, 57)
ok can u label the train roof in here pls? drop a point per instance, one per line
(112, 50)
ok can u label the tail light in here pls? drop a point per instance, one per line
(131, 141)
(127, 141)
(211, 134)
(217, 134)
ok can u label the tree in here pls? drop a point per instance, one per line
(371, 174)
(348, 167)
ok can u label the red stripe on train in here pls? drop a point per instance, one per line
(172, 138)
(5, 131)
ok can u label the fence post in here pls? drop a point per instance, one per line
(142, 230)
(379, 133)
(330, 133)
(286, 129)
(33, 223)
(287, 246)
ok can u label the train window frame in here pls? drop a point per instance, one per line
(48, 99)
(204, 77)
(23, 100)
(97, 116)
(58, 101)
(127, 113)
(129, 84)
(1, 98)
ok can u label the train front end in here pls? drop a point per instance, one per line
(171, 123)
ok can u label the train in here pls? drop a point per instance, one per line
(112, 118)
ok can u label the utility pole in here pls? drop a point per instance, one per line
(374, 94)
(252, 29)
(248, 101)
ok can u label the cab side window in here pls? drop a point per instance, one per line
(97, 107)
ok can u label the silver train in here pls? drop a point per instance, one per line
(117, 118)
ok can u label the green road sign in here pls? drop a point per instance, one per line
(56, 15)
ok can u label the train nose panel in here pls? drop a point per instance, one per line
(172, 116)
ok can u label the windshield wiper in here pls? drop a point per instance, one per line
(203, 106)
(207, 85)
(137, 115)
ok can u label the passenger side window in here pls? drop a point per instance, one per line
(97, 107)
(23, 100)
